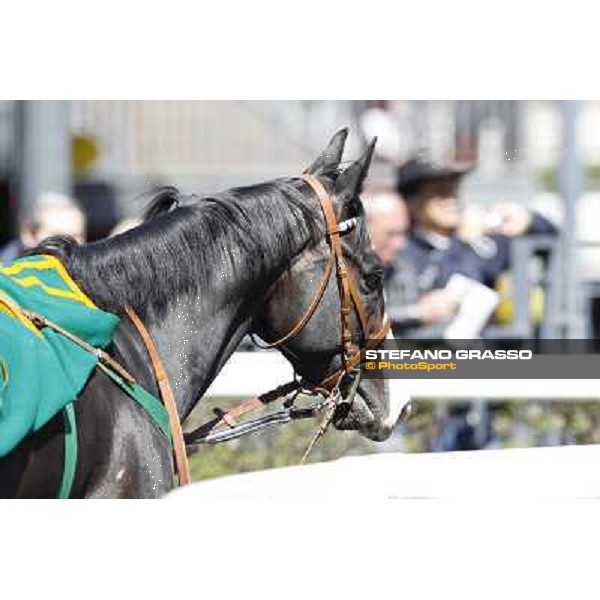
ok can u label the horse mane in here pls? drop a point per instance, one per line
(185, 240)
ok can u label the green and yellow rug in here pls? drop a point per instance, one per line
(41, 371)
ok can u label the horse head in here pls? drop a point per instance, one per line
(304, 309)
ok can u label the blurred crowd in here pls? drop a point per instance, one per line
(425, 238)
(443, 261)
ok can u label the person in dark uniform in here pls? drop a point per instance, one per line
(389, 223)
(443, 240)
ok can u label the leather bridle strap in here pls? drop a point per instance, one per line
(333, 237)
(179, 450)
(358, 304)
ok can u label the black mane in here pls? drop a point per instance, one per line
(183, 241)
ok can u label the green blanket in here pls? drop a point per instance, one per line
(41, 372)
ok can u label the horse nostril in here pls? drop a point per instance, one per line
(383, 433)
(342, 410)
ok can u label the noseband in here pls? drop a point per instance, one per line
(224, 426)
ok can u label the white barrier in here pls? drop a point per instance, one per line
(564, 472)
(561, 472)
(252, 373)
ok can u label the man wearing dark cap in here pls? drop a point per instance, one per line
(442, 242)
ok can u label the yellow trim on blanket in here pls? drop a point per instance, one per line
(16, 268)
(3, 374)
(49, 262)
(72, 285)
(33, 281)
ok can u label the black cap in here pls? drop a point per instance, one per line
(420, 170)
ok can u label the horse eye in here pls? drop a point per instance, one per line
(374, 280)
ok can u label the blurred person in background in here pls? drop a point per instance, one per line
(444, 240)
(389, 223)
(51, 214)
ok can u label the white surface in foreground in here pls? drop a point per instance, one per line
(252, 373)
(560, 472)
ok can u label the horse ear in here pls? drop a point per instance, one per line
(329, 159)
(349, 183)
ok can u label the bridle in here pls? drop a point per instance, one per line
(224, 427)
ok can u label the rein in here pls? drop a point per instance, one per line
(326, 394)
(166, 393)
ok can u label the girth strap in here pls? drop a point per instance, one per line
(147, 401)
(70, 461)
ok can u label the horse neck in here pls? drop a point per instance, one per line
(194, 342)
(196, 333)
